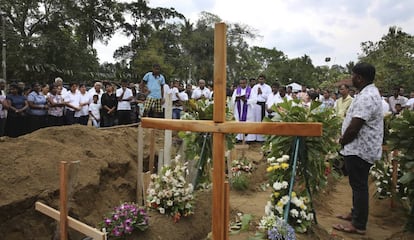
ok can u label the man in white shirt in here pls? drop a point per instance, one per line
(201, 92)
(124, 96)
(243, 103)
(396, 98)
(72, 101)
(179, 97)
(260, 92)
(278, 96)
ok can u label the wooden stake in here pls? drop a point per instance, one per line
(167, 133)
(151, 164)
(226, 209)
(63, 200)
(140, 168)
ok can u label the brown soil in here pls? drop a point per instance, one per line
(106, 176)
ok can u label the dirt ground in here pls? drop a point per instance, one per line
(106, 176)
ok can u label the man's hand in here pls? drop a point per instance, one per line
(259, 91)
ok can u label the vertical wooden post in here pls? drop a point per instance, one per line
(227, 209)
(218, 211)
(168, 133)
(160, 160)
(394, 177)
(63, 200)
(140, 168)
(152, 151)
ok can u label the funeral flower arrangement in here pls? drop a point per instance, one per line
(277, 229)
(382, 173)
(401, 138)
(124, 220)
(169, 193)
(241, 170)
(300, 215)
(242, 165)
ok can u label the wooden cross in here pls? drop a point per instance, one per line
(219, 128)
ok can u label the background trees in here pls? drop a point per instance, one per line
(47, 38)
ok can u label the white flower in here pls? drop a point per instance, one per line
(279, 209)
(162, 210)
(285, 199)
(170, 203)
(271, 159)
(268, 208)
(294, 213)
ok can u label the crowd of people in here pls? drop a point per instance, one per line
(24, 109)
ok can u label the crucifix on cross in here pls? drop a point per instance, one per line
(219, 127)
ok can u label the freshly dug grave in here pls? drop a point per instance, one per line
(104, 177)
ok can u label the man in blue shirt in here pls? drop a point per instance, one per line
(154, 82)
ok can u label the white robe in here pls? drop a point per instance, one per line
(250, 117)
(266, 91)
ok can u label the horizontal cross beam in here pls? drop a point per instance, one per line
(72, 223)
(269, 128)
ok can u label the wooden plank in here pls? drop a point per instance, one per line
(220, 64)
(269, 128)
(63, 200)
(72, 223)
(140, 168)
(119, 126)
(218, 210)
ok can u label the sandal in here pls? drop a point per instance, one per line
(348, 229)
(346, 217)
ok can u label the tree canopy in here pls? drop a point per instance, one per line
(48, 38)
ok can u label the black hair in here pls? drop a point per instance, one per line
(365, 70)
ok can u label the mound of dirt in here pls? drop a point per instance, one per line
(105, 176)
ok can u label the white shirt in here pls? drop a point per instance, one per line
(92, 92)
(94, 109)
(197, 93)
(367, 105)
(124, 104)
(410, 104)
(84, 98)
(72, 99)
(182, 96)
(400, 99)
(273, 99)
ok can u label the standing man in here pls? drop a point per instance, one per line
(243, 104)
(361, 140)
(154, 81)
(343, 103)
(124, 97)
(396, 98)
(201, 92)
(261, 91)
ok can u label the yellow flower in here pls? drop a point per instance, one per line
(269, 169)
(280, 204)
(276, 194)
(303, 207)
(284, 166)
(293, 194)
(276, 167)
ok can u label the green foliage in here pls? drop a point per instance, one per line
(401, 138)
(240, 181)
(198, 146)
(393, 56)
(317, 147)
